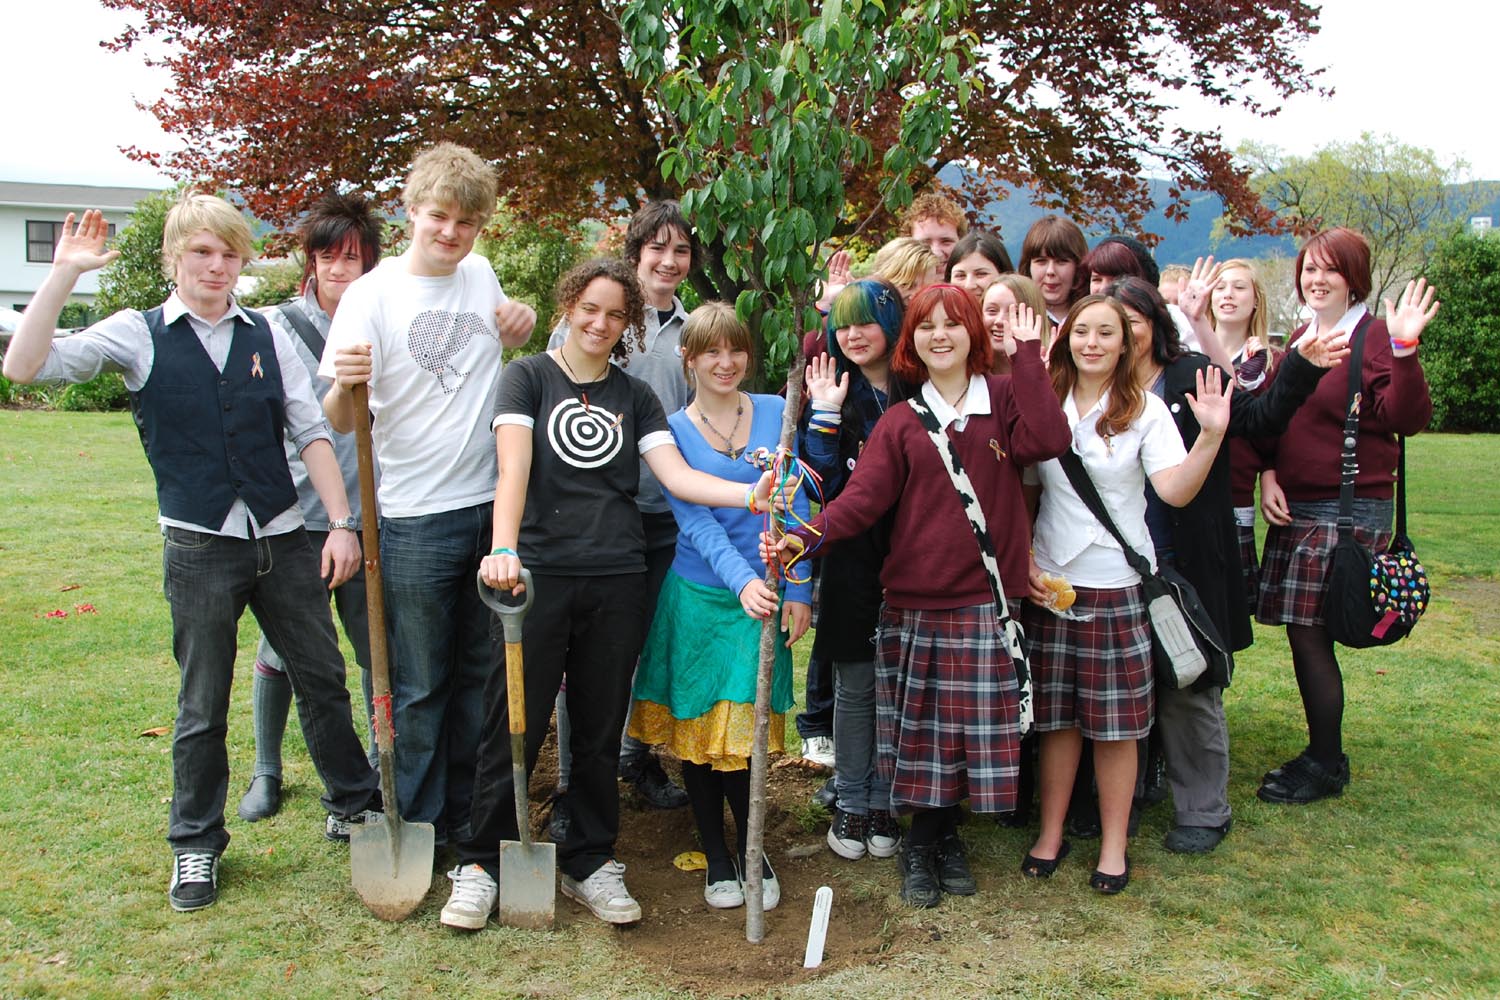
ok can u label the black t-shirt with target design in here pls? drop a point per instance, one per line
(580, 517)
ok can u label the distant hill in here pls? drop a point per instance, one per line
(1182, 242)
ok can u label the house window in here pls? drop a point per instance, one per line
(41, 240)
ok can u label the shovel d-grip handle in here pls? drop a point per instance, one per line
(511, 609)
(512, 612)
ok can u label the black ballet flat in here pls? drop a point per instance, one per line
(1110, 885)
(1035, 867)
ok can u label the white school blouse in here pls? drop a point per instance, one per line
(1070, 541)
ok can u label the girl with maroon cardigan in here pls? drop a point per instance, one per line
(947, 711)
(1300, 488)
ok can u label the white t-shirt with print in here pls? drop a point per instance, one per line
(1068, 540)
(435, 366)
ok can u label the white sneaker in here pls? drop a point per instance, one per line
(819, 750)
(725, 894)
(472, 900)
(770, 889)
(605, 894)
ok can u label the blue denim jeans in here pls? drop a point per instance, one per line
(208, 581)
(856, 779)
(440, 659)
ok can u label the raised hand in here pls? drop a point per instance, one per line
(514, 322)
(1406, 320)
(1327, 349)
(823, 381)
(1210, 405)
(1193, 290)
(1022, 325)
(838, 268)
(81, 248)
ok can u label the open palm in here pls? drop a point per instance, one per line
(81, 247)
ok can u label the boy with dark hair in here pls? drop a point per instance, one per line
(425, 330)
(215, 392)
(340, 240)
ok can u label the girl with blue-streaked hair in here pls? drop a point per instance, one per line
(849, 390)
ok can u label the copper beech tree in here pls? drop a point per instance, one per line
(281, 99)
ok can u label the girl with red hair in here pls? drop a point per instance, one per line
(948, 710)
(1300, 487)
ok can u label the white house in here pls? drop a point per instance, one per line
(31, 215)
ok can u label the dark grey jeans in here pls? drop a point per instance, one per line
(856, 778)
(208, 581)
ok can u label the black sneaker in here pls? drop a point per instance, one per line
(560, 823)
(954, 875)
(882, 834)
(1309, 782)
(655, 788)
(919, 876)
(1295, 764)
(195, 881)
(846, 835)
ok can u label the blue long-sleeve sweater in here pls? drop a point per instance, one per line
(720, 546)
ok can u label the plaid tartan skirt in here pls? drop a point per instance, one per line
(1294, 569)
(1249, 563)
(946, 723)
(1096, 674)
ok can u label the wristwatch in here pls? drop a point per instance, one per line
(350, 523)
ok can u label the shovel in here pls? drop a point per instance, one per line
(392, 860)
(527, 873)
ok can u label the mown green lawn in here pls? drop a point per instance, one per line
(1393, 890)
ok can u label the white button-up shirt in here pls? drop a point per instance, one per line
(1070, 541)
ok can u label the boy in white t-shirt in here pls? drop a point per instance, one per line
(425, 330)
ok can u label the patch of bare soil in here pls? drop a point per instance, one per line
(703, 951)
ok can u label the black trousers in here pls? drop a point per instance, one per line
(589, 629)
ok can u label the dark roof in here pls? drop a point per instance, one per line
(71, 196)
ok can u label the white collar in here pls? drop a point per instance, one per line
(976, 402)
(174, 309)
(1346, 323)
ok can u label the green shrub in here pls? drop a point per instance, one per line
(1460, 345)
(105, 392)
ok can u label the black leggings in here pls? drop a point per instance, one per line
(707, 791)
(1322, 688)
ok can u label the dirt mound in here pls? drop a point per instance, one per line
(704, 951)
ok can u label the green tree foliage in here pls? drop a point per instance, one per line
(134, 280)
(772, 106)
(1403, 198)
(1460, 345)
(529, 258)
(275, 283)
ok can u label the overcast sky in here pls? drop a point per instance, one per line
(71, 104)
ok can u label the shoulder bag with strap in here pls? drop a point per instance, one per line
(1010, 629)
(1371, 600)
(1184, 639)
(294, 315)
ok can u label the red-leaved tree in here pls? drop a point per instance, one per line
(283, 99)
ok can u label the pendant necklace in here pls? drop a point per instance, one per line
(579, 382)
(728, 439)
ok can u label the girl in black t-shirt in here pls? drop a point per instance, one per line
(570, 428)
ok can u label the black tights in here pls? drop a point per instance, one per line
(1322, 687)
(707, 789)
(928, 826)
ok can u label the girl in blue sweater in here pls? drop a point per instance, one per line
(695, 686)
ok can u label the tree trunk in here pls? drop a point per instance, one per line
(770, 635)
